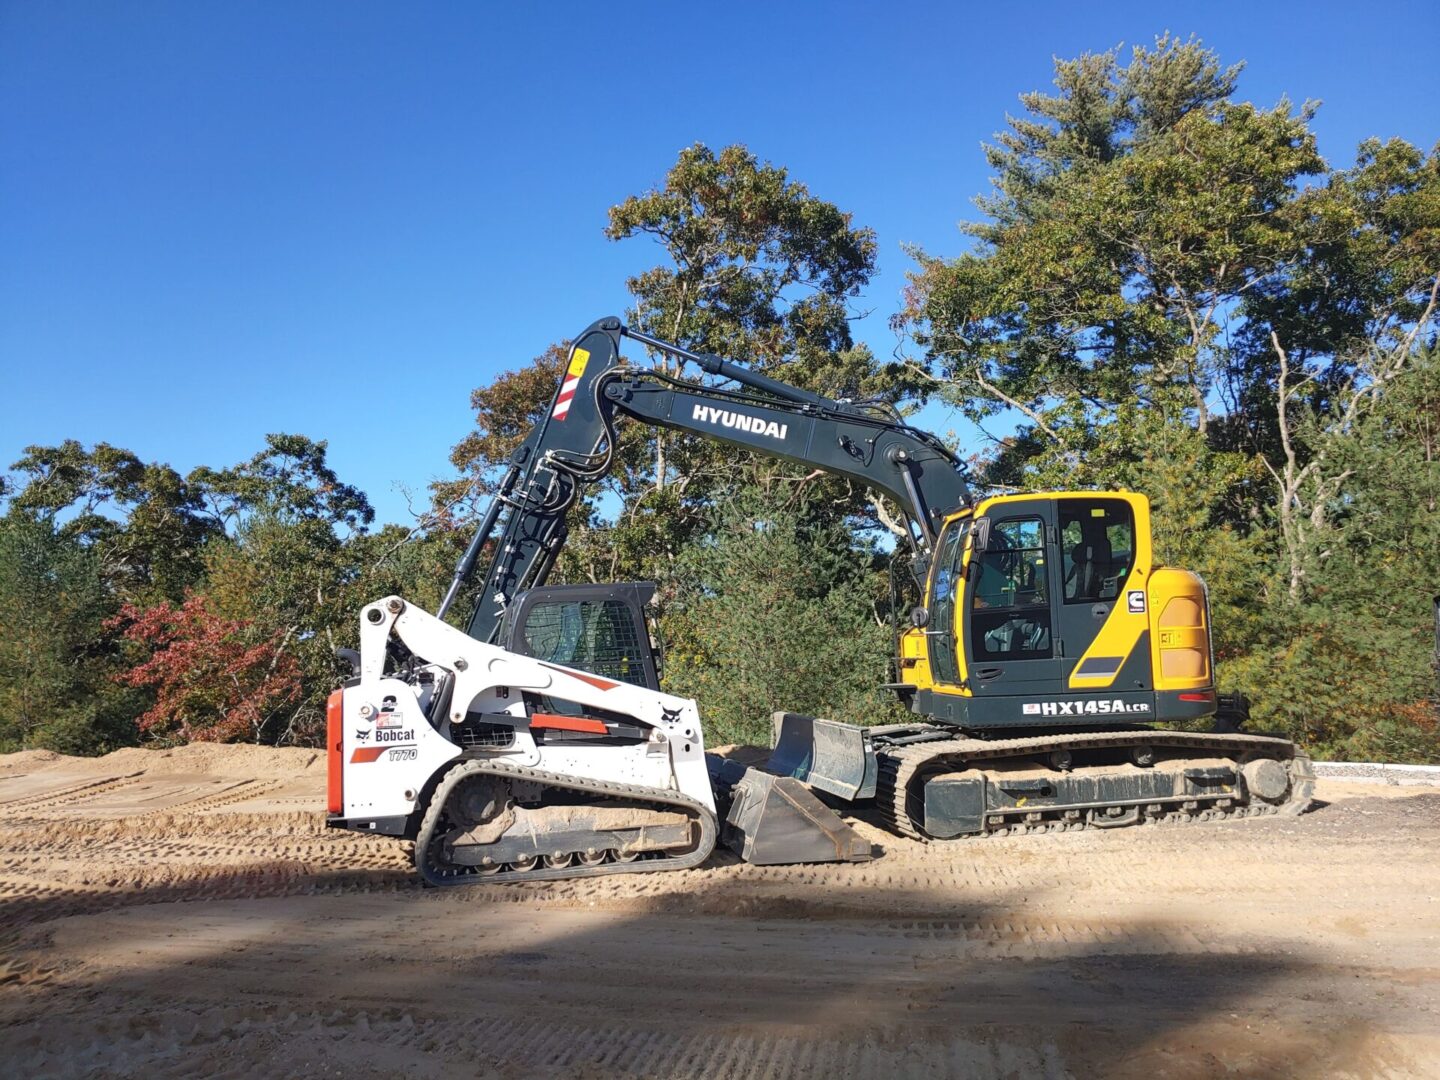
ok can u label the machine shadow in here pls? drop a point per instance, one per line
(697, 976)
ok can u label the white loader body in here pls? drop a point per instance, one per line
(388, 746)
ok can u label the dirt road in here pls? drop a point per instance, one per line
(186, 913)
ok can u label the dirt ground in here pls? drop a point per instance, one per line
(186, 913)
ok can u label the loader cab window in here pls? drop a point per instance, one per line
(1097, 549)
(1010, 605)
(598, 636)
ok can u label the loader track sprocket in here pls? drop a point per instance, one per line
(898, 795)
(429, 841)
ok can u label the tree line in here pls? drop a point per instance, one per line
(1166, 290)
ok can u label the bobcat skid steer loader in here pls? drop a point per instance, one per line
(502, 766)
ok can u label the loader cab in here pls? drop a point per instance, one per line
(600, 629)
(1036, 596)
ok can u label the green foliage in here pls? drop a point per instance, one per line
(755, 267)
(1350, 670)
(758, 268)
(290, 481)
(55, 654)
(775, 614)
(273, 554)
(144, 523)
(1171, 292)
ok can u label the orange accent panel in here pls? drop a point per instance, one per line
(334, 743)
(367, 753)
(568, 723)
(593, 680)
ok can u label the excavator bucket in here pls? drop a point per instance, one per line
(773, 820)
(824, 754)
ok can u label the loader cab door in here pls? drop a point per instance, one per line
(1009, 623)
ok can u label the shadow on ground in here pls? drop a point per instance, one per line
(378, 977)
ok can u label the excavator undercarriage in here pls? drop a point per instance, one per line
(925, 783)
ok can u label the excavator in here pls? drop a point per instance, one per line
(1059, 678)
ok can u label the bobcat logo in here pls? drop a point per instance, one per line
(361, 734)
(669, 716)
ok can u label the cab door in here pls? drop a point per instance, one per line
(1099, 547)
(1009, 623)
(943, 601)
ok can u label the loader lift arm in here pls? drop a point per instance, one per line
(574, 443)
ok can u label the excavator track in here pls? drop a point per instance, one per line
(435, 870)
(898, 795)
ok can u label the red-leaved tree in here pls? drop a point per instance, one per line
(213, 680)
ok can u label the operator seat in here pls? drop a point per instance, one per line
(1091, 567)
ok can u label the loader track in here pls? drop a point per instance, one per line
(900, 765)
(439, 873)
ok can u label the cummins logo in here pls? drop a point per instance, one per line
(756, 425)
(408, 735)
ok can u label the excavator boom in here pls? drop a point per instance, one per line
(572, 444)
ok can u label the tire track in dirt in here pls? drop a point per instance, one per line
(234, 934)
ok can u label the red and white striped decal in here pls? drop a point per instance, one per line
(567, 394)
(578, 359)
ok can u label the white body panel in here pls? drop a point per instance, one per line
(390, 749)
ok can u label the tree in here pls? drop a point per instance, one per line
(146, 525)
(56, 656)
(283, 576)
(774, 614)
(1353, 671)
(758, 269)
(288, 576)
(1332, 333)
(214, 679)
(755, 267)
(291, 481)
(1171, 291)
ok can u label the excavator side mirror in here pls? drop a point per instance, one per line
(919, 616)
(979, 544)
(980, 536)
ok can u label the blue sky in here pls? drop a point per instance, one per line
(219, 220)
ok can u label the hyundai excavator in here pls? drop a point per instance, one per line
(1047, 647)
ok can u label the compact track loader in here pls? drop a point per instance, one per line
(1048, 645)
(501, 765)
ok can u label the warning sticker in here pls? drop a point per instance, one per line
(578, 359)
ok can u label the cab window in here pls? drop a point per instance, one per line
(598, 636)
(1010, 605)
(942, 602)
(1097, 548)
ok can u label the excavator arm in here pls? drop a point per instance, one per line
(573, 445)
